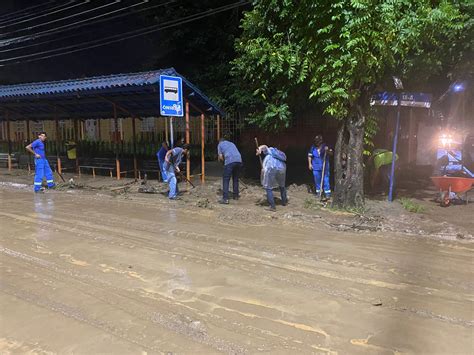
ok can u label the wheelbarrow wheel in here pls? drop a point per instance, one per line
(444, 199)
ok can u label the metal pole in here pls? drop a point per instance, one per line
(135, 165)
(166, 130)
(203, 160)
(76, 140)
(9, 142)
(28, 134)
(218, 127)
(394, 150)
(188, 160)
(58, 144)
(28, 137)
(116, 136)
(171, 132)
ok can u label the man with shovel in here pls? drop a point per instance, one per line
(273, 173)
(318, 163)
(172, 160)
(229, 154)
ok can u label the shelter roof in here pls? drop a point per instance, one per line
(134, 94)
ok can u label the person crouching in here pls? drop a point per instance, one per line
(172, 160)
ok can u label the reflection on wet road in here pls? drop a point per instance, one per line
(86, 273)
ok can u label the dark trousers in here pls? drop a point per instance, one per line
(271, 199)
(231, 170)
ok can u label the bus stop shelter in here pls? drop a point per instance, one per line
(132, 95)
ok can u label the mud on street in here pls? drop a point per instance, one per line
(97, 270)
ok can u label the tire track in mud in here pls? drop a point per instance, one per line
(141, 225)
(175, 320)
(228, 254)
(290, 274)
(304, 260)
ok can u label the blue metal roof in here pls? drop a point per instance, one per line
(88, 97)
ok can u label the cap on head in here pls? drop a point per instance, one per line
(318, 139)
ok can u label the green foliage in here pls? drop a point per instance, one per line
(341, 50)
(371, 129)
(411, 206)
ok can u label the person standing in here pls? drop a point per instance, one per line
(274, 174)
(228, 153)
(380, 163)
(318, 157)
(161, 160)
(172, 160)
(42, 168)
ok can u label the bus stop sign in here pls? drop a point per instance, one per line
(171, 96)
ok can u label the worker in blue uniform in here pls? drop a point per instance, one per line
(161, 160)
(172, 160)
(319, 152)
(42, 168)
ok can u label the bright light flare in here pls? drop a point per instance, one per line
(446, 140)
(458, 87)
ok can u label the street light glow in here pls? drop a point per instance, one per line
(458, 87)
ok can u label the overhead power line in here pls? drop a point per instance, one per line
(122, 36)
(43, 13)
(15, 13)
(90, 23)
(65, 18)
(63, 28)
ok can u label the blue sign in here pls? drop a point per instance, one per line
(171, 96)
(408, 99)
(384, 99)
(416, 99)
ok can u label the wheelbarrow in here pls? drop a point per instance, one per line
(448, 184)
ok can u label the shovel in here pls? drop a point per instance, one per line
(322, 177)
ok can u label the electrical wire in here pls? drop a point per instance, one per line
(88, 24)
(64, 18)
(51, 31)
(44, 13)
(136, 33)
(11, 13)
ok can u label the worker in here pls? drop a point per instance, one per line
(228, 153)
(161, 159)
(172, 160)
(71, 150)
(42, 168)
(318, 160)
(273, 174)
(380, 163)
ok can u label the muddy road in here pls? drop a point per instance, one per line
(87, 273)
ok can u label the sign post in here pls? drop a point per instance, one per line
(394, 153)
(171, 99)
(399, 99)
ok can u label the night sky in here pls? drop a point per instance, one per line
(133, 55)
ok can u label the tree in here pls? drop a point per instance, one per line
(200, 50)
(339, 53)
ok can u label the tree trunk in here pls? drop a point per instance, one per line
(349, 171)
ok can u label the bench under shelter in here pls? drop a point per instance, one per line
(124, 100)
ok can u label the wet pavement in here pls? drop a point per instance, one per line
(88, 273)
